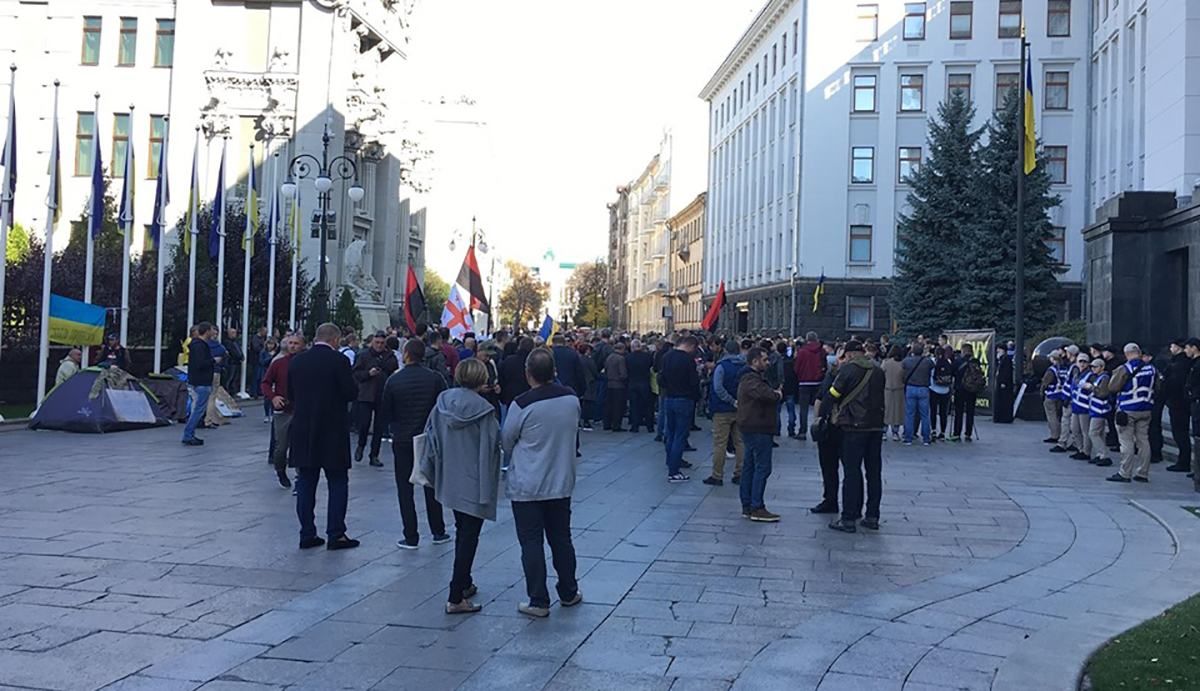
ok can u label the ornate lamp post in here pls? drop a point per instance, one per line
(324, 171)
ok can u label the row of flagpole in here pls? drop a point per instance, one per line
(158, 227)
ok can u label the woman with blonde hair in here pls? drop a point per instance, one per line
(462, 464)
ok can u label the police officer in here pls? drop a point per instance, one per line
(1133, 384)
(1175, 395)
(1080, 441)
(1094, 386)
(1055, 393)
(1191, 348)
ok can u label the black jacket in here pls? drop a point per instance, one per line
(678, 377)
(201, 367)
(370, 389)
(791, 384)
(512, 377)
(408, 396)
(1175, 380)
(638, 365)
(569, 368)
(319, 387)
(861, 412)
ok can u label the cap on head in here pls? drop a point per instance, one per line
(1098, 362)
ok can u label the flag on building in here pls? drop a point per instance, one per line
(472, 281)
(96, 204)
(162, 197)
(456, 315)
(713, 315)
(9, 159)
(251, 209)
(218, 212)
(193, 199)
(414, 301)
(54, 195)
(1030, 132)
(549, 328)
(818, 292)
(125, 213)
(75, 323)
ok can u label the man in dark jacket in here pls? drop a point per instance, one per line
(113, 354)
(616, 372)
(810, 370)
(679, 383)
(372, 367)
(512, 375)
(274, 389)
(791, 385)
(231, 377)
(757, 415)
(857, 393)
(568, 365)
(408, 396)
(829, 448)
(200, 377)
(1191, 348)
(1175, 394)
(320, 385)
(638, 365)
(600, 352)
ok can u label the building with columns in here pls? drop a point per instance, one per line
(272, 73)
(618, 265)
(640, 245)
(687, 264)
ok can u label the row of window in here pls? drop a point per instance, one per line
(862, 163)
(164, 42)
(1056, 92)
(85, 134)
(749, 85)
(962, 20)
(861, 240)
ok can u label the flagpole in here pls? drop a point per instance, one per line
(160, 218)
(1019, 292)
(91, 241)
(221, 242)
(127, 221)
(272, 232)
(295, 257)
(6, 192)
(194, 230)
(52, 203)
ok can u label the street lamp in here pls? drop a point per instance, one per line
(324, 171)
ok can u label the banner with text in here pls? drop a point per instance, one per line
(984, 345)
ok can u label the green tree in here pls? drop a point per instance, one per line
(17, 247)
(346, 314)
(587, 294)
(524, 296)
(930, 242)
(986, 295)
(437, 291)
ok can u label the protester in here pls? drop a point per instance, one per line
(1175, 397)
(349, 346)
(68, 366)
(254, 355)
(722, 403)
(588, 412)
(232, 372)
(893, 409)
(811, 364)
(274, 390)
(462, 461)
(320, 384)
(200, 370)
(513, 382)
(265, 355)
(918, 375)
(372, 367)
(1055, 392)
(940, 389)
(680, 383)
(757, 415)
(829, 441)
(539, 436)
(1191, 348)
(791, 386)
(858, 392)
(113, 354)
(638, 366)
(408, 398)
(617, 375)
(448, 350)
(1133, 384)
(487, 353)
(969, 382)
(1081, 411)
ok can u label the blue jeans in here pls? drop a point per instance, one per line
(790, 402)
(661, 423)
(678, 412)
(601, 396)
(199, 407)
(756, 468)
(338, 483)
(916, 404)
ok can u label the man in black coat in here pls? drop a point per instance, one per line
(201, 369)
(1002, 403)
(568, 365)
(1175, 396)
(639, 363)
(512, 375)
(320, 385)
(372, 367)
(407, 398)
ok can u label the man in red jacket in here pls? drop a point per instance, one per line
(274, 388)
(810, 372)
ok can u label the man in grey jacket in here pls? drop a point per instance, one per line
(918, 375)
(539, 436)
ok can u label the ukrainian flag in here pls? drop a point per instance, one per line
(818, 292)
(1030, 132)
(549, 328)
(75, 323)
(251, 210)
(193, 199)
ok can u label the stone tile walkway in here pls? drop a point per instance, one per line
(128, 562)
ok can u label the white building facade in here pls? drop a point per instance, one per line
(273, 73)
(647, 245)
(821, 111)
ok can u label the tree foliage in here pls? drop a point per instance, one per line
(346, 314)
(437, 291)
(587, 294)
(17, 245)
(524, 297)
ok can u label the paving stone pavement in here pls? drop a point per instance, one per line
(129, 562)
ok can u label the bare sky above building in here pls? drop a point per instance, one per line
(577, 94)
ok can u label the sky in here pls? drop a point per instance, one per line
(576, 95)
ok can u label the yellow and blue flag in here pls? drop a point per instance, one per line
(9, 159)
(125, 214)
(549, 328)
(1030, 132)
(96, 205)
(818, 292)
(251, 209)
(193, 199)
(162, 197)
(218, 213)
(54, 196)
(75, 323)
(294, 222)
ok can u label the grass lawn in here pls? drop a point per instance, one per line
(1163, 653)
(12, 411)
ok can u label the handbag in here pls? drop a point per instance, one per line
(821, 428)
(416, 477)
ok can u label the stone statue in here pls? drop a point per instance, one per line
(356, 277)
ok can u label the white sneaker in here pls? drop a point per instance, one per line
(730, 456)
(530, 610)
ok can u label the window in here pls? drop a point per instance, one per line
(90, 54)
(868, 23)
(164, 43)
(912, 93)
(1058, 88)
(960, 20)
(774, 60)
(1056, 164)
(860, 244)
(1006, 85)
(1058, 18)
(858, 313)
(158, 132)
(862, 165)
(914, 21)
(795, 36)
(864, 93)
(127, 48)
(1010, 18)
(784, 51)
(959, 83)
(910, 162)
(120, 144)
(85, 132)
(1057, 244)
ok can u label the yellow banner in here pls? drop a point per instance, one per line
(74, 333)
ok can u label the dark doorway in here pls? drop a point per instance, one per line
(1174, 314)
(743, 321)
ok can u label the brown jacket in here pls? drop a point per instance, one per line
(756, 404)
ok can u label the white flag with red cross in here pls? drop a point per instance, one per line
(456, 316)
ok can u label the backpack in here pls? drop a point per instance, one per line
(973, 380)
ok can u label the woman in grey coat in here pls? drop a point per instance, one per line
(462, 463)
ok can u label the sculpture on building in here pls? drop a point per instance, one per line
(355, 274)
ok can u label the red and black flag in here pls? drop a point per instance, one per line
(472, 282)
(414, 301)
(713, 315)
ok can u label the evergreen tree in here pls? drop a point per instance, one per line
(346, 314)
(988, 285)
(929, 239)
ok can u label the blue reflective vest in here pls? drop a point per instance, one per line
(1060, 388)
(1081, 403)
(1138, 393)
(1100, 406)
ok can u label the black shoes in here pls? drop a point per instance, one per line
(684, 464)
(1057, 449)
(714, 481)
(1139, 478)
(310, 542)
(736, 479)
(1103, 462)
(284, 481)
(1116, 477)
(870, 523)
(342, 542)
(358, 455)
(1079, 456)
(193, 442)
(1176, 468)
(658, 437)
(689, 447)
(375, 462)
(1050, 440)
(843, 526)
(824, 507)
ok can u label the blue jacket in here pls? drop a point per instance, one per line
(722, 395)
(569, 368)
